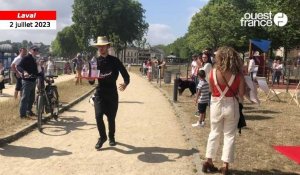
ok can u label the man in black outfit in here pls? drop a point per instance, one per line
(106, 97)
(28, 70)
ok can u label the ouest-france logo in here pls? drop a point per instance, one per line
(264, 19)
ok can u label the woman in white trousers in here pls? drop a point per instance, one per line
(227, 87)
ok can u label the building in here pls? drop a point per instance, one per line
(6, 55)
(291, 54)
(136, 55)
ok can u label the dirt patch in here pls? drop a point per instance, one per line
(149, 141)
(272, 123)
(10, 121)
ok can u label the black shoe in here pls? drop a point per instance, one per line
(23, 116)
(100, 143)
(55, 116)
(30, 113)
(112, 142)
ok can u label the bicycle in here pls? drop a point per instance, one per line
(47, 100)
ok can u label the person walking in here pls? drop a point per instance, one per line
(17, 60)
(1, 78)
(29, 71)
(78, 61)
(227, 84)
(106, 96)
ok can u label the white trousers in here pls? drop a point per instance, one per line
(224, 117)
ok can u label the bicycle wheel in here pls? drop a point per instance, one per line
(40, 107)
(55, 104)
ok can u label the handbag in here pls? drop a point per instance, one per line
(242, 120)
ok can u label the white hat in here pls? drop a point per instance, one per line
(101, 41)
(256, 53)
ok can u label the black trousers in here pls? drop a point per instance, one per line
(106, 104)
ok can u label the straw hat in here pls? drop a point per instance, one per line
(101, 41)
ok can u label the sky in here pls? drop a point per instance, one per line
(167, 19)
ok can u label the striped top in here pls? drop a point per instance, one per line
(204, 90)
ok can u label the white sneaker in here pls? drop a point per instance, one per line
(196, 124)
(202, 124)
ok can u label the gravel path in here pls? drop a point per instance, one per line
(150, 141)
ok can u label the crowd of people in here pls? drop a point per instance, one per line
(153, 67)
(219, 79)
(221, 86)
(26, 68)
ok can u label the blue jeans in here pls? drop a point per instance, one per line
(28, 94)
(276, 76)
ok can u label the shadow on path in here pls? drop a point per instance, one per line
(263, 111)
(73, 110)
(65, 125)
(249, 107)
(256, 117)
(152, 154)
(261, 172)
(6, 95)
(32, 153)
(138, 102)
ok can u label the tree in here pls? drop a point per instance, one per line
(218, 24)
(179, 48)
(65, 43)
(120, 20)
(24, 43)
(287, 36)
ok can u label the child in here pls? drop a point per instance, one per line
(202, 98)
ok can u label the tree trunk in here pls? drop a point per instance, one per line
(125, 47)
(285, 54)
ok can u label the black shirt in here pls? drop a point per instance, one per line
(110, 67)
(28, 64)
